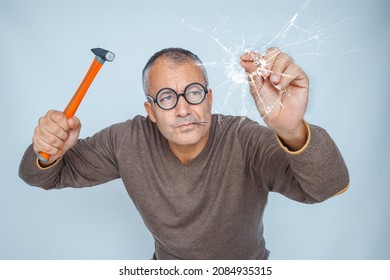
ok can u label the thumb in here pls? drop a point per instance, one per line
(248, 66)
(74, 132)
(74, 122)
(251, 61)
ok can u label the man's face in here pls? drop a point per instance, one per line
(177, 124)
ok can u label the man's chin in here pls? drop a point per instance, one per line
(185, 142)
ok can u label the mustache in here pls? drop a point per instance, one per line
(188, 120)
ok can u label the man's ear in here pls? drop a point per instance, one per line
(210, 96)
(149, 111)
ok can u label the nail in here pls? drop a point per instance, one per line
(265, 73)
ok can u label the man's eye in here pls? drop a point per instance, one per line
(194, 93)
(194, 96)
(166, 98)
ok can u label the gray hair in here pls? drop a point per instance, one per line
(176, 55)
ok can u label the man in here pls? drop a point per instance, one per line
(200, 181)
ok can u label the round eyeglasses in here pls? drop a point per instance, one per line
(168, 98)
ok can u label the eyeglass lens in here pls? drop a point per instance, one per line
(194, 94)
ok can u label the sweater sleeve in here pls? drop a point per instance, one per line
(313, 174)
(319, 167)
(91, 161)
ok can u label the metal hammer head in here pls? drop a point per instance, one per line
(104, 54)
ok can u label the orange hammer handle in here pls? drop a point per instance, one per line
(74, 103)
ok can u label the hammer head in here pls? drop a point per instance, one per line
(104, 54)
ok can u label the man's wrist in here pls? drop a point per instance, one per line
(294, 141)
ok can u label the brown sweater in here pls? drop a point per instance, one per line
(212, 207)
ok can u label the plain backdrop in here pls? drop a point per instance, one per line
(45, 47)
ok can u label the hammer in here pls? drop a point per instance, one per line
(101, 56)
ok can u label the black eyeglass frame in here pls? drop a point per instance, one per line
(155, 100)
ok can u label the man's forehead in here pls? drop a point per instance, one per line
(165, 61)
(164, 70)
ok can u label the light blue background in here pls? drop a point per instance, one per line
(44, 47)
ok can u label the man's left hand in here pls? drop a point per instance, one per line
(280, 89)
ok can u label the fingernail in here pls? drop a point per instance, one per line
(274, 78)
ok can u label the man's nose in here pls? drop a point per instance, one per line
(182, 107)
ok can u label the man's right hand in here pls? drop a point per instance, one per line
(55, 134)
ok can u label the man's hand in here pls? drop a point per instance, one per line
(55, 134)
(280, 90)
